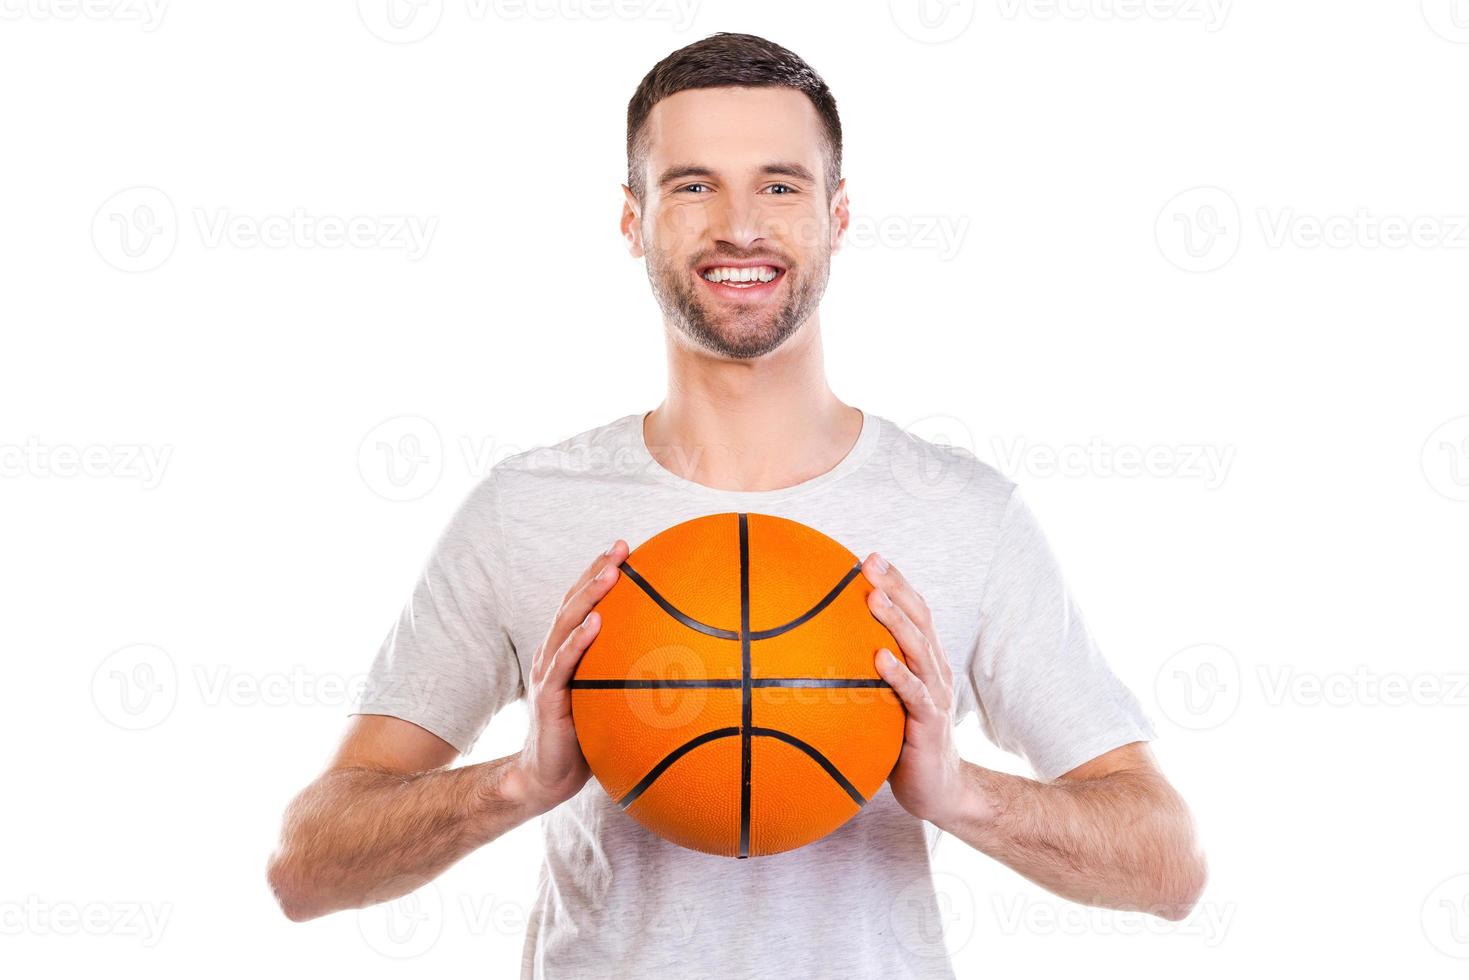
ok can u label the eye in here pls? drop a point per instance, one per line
(785, 188)
(687, 187)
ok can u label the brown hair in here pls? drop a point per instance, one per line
(730, 59)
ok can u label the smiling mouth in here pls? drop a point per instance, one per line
(750, 282)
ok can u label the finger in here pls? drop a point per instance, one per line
(569, 653)
(906, 684)
(595, 583)
(895, 584)
(912, 641)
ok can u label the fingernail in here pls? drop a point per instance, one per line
(888, 658)
(605, 573)
(886, 601)
(879, 562)
(610, 548)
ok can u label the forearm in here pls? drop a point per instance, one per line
(1124, 840)
(359, 836)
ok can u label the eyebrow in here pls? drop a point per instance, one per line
(778, 169)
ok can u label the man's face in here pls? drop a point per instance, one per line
(736, 225)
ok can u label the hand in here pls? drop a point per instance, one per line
(551, 768)
(928, 779)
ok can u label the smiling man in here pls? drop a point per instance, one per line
(735, 202)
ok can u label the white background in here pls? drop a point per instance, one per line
(204, 538)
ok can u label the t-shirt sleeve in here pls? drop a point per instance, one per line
(449, 664)
(1043, 690)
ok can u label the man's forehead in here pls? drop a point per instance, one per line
(732, 129)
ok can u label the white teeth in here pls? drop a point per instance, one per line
(759, 273)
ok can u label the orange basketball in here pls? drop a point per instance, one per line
(729, 701)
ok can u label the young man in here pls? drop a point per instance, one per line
(734, 198)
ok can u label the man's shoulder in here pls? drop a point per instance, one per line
(933, 459)
(605, 449)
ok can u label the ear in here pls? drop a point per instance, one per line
(632, 223)
(841, 216)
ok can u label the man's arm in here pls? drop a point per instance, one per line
(1111, 832)
(385, 818)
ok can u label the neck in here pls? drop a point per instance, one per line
(760, 424)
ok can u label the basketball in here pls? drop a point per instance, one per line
(729, 702)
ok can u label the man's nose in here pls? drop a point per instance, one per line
(737, 220)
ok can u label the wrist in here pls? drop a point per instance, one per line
(513, 786)
(973, 809)
(520, 787)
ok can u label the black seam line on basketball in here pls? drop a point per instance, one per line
(670, 759)
(673, 611)
(821, 760)
(725, 634)
(826, 601)
(745, 718)
(590, 684)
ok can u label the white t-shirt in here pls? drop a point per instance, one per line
(616, 900)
